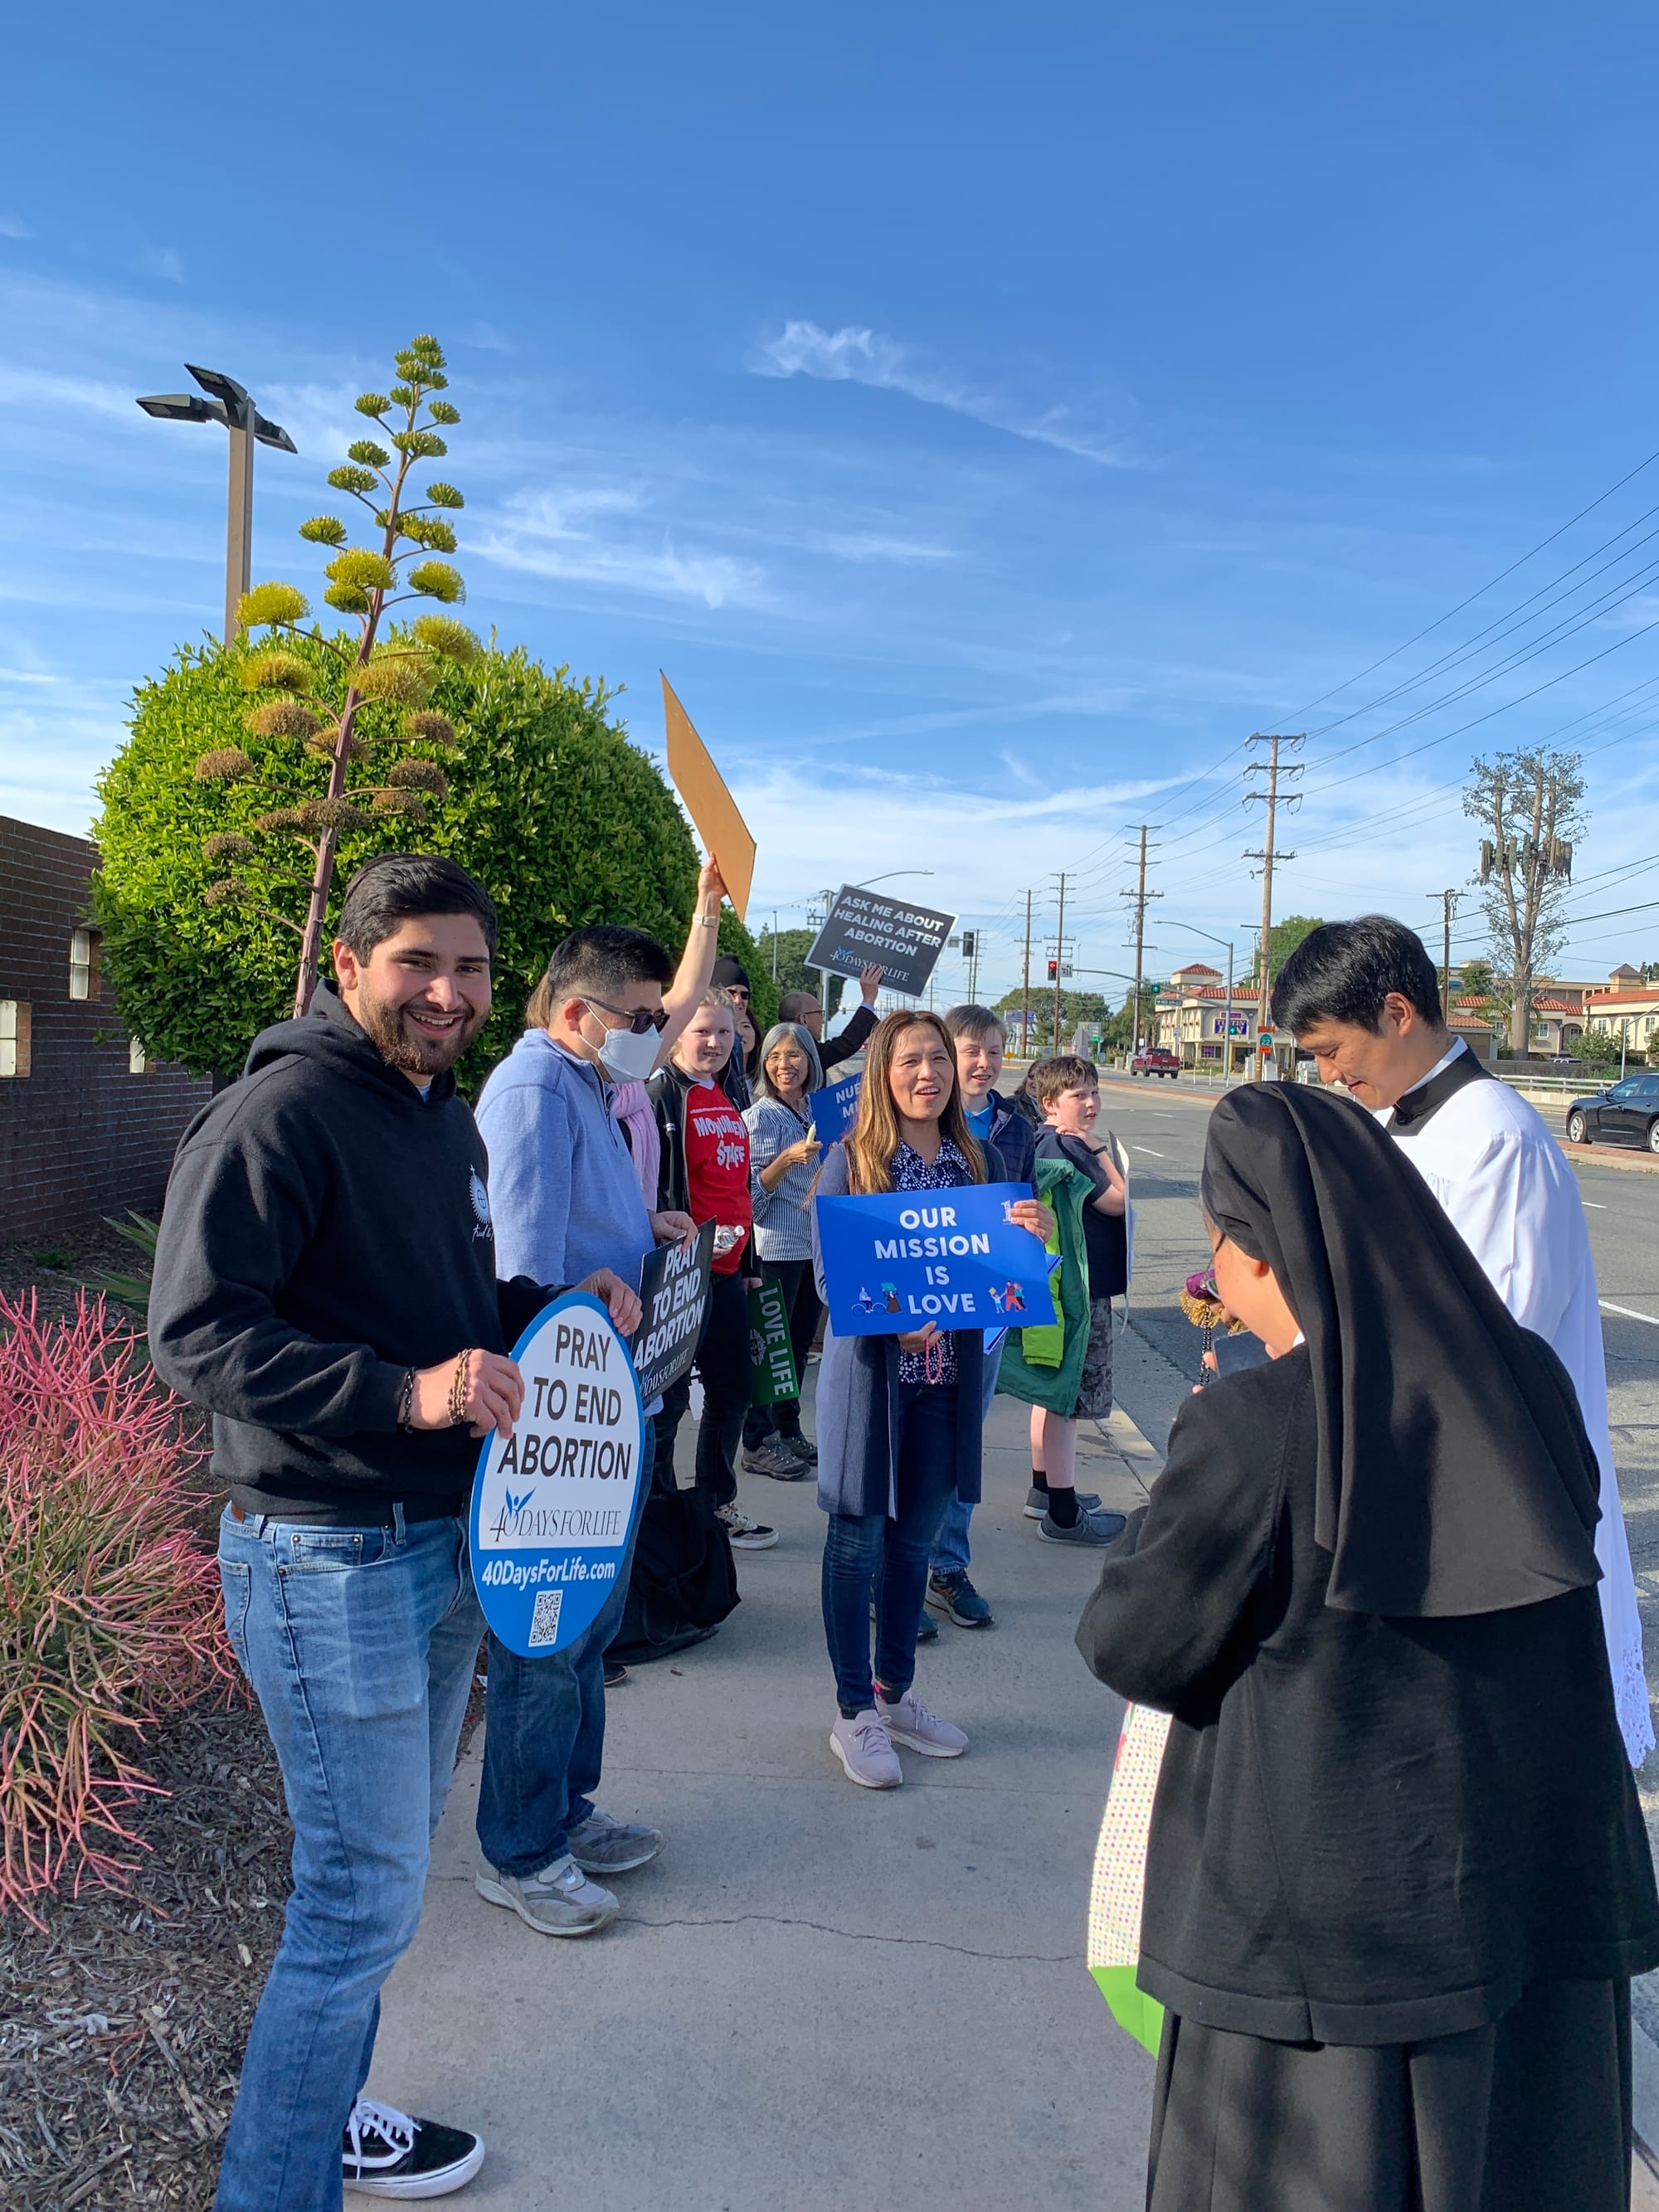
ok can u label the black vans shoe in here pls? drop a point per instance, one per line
(384, 2153)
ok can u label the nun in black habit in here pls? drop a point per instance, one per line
(1397, 1879)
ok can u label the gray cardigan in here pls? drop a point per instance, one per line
(858, 1400)
(783, 1226)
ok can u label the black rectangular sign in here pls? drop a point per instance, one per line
(864, 930)
(674, 1293)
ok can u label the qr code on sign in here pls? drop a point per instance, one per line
(545, 1621)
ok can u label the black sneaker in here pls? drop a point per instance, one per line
(954, 1596)
(384, 2153)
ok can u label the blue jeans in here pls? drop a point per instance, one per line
(544, 1733)
(864, 1552)
(360, 1645)
(951, 1553)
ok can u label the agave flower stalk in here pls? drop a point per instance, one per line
(364, 582)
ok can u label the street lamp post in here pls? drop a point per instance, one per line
(227, 401)
(1227, 1023)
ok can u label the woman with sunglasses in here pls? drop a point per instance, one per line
(899, 1417)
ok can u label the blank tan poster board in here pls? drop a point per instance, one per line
(710, 805)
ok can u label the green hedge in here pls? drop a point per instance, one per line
(549, 806)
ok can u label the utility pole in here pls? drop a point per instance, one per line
(1025, 988)
(1273, 769)
(1059, 958)
(1140, 895)
(1448, 903)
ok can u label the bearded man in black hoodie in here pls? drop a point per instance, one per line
(325, 1287)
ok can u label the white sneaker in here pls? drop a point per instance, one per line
(746, 1535)
(864, 1751)
(559, 1900)
(909, 1723)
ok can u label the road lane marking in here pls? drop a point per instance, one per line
(1149, 1151)
(1595, 1202)
(1629, 1313)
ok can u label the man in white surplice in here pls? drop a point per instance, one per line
(1364, 997)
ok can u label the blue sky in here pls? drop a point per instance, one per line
(987, 417)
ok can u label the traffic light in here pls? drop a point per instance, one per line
(1053, 971)
(969, 944)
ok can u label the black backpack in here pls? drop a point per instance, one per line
(683, 1582)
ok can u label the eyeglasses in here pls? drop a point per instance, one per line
(639, 1020)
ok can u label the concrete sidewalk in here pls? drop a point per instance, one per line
(819, 1998)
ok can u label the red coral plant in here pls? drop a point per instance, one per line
(109, 1608)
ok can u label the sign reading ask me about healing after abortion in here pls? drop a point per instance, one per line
(554, 1504)
(893, 1260)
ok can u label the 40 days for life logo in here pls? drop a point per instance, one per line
(553, 1505)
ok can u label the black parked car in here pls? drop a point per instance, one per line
(1626, 1114)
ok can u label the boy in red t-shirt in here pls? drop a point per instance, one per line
(705, 1161)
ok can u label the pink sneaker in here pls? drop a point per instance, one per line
(909, 1723)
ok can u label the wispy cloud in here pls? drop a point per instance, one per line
(40, 388)
(11, 226)
(487, 339)
(552, 534)
(855, 355)
(163, 261)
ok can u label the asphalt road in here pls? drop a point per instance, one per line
(1162, 1125)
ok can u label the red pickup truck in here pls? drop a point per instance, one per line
(1155, 1059)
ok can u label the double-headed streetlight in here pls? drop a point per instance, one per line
(227, 401)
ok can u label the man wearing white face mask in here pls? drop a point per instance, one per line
(561, 1183)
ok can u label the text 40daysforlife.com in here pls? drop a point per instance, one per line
(508, 1574)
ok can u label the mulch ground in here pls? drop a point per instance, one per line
(122, 2026)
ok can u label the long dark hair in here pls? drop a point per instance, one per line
(873, 1138)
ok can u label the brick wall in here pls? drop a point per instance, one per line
(81, 1136)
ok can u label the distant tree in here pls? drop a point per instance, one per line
(793, 947)
(1529, 804)
(1599, 1049)
(1076, 1008)
(1283, 939)
(541, 783)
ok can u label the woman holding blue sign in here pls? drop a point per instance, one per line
(783, 1159)
(899, 1416)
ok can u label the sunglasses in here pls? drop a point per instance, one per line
(638, 1021)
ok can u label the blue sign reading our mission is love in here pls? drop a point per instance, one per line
(834, 1108)
(555, 1504)
(893, 1260)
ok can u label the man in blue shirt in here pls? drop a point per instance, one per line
(562, 1184)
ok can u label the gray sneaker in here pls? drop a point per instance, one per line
(601, 1845)
(1090, 1528)
(1037, 1502)
(775, 1458)
(909, 1722)
(866, 1752)
(559, 1900)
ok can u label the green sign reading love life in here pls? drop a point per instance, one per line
(772, 1376)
